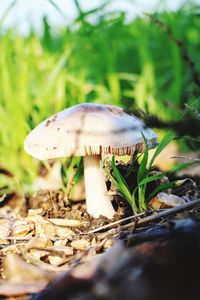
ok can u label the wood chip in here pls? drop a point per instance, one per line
(80, 244)
(60, 243)
(66, 222)
(44, 228)
(37, 242)
(56, 260)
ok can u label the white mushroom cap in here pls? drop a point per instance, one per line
(89, 129)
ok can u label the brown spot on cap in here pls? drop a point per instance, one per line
(49, 121)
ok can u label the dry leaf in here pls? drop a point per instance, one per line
(163, 200)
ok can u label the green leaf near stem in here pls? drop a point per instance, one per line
(163, 143)
(123, 186)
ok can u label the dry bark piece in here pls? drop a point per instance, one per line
(164, 200)
(90, 130)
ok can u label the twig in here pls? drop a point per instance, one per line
(115, 223)
(161, 231)
(131, 232)
(147, 236)
(166, 213)
(186, 158)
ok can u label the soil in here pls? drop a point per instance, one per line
(47, 231)
(54, 205)
(45, 236)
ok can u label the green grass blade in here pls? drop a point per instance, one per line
(173, 170)
(152, 178)
(161, 188)
(142, 171)
(181, 167)
(122, 185)
(164, 142)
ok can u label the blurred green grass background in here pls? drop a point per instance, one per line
(131, 64)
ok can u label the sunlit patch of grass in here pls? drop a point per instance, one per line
(133, 65)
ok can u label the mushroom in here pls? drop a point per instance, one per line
(90, 130)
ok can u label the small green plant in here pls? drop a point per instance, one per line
(138, 197)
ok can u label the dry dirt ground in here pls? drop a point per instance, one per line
(50, 248)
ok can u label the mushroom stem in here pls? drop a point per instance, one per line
(97, 202)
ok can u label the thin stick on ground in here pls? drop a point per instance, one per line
(186, 158)
(115, 223)
(166, 213)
